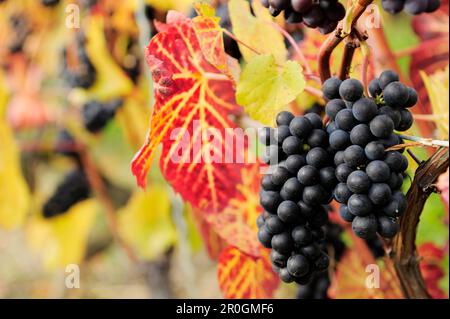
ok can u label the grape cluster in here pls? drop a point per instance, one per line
(360, 130)
(318, 287)
(73, 189)
(321, 14)
(411, 6)
(78, 70)
(96, 114)
(293, 195)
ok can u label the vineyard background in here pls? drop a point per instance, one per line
(134, 243)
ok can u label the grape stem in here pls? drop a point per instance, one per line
(342, 31)
(425, 141)
(404, 253)
(349, 52)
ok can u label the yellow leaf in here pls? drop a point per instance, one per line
(146, 223)
(437, 86)
(256, 31)
(265, 88)
(62, 240)
(111, 80)
(14, 193)
(133, 120)
(166, 5)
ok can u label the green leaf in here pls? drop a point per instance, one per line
(265, 88)
(256, 31)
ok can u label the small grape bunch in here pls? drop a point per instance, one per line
(413, 7)
(361, 130)
(300, 182)
(74, 188)
(96, 115)
(322, 14)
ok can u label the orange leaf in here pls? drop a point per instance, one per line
(192, 98)
(349, 281)
(244, 276)
(210, 36)
(236, 224)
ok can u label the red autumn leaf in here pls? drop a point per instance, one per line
(349, 281)
(244, 276)
(236, 224)
(192, 99)
(433, 53)
(431, 268)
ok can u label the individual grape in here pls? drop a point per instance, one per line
(361, 135)
(282, 243)
(317, 138)
(315, 120)
(358, 182)
(300, 127)
(96, 115)
(374, 151)
(339, 140)
(270, 200)
(336, 12)
(433, 5)
(351, 90)
(285, 276)
(364, 110)
(387, 226)
(267, 184)
(294, 163)
(298, 265)
(342, 193)
(264, 237)
(311, 251)
(308, 175)
(280, 175)
(333, 107)
(378, 171)
(301, 5)
(314, 17)
(395, 94)
(412, 97)
(284, 118)
(292, 145)
(339, 158)
(387, 77)
(291, 190)
(406, 120)
(380, 193)
(345, 214)
(374, 88)
(260, 221)
(317, 157)
(359, 205)
(278, 259)
(395, 161)
(288, 211)
(365, 226)
(345, 120)
(274, 225)
(302, 236)
(342, 172)
(354, 156)
(381, 126)
(415, 7)
(330, 88)
(314, 195)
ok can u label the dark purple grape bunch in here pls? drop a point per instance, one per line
(322, 14)
(96, 115)
(300, 182)
(361, 129)
(414, 7)
(74, 188)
